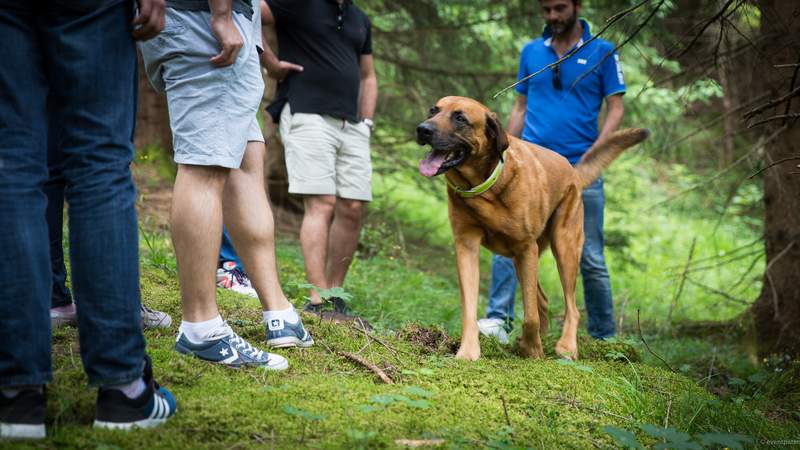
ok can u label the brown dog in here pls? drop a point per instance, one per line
(534, 203)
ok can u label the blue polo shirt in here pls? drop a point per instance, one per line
(566, 120)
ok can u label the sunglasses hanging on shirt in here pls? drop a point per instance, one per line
(557, 77)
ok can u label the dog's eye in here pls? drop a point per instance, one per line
(432, 112)
(460, 117)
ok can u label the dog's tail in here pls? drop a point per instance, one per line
(602, 154)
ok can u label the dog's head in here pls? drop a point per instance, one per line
(459, 129)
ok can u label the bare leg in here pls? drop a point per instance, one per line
(196, 219)
(249, 219)
(343, 240)
(314, 239)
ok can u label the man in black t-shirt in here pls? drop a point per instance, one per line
(324, 104)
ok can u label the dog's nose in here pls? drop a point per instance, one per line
(425, 133)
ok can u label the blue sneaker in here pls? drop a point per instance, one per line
(228, 348)
(152, 408)
(281, 333)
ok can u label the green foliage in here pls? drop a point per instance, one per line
(297, 412)
(328, 294)
(624, 438)
(670, 438)
(158, 251)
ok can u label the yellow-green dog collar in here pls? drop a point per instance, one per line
(481, 188)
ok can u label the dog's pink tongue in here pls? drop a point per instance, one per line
(430, 165)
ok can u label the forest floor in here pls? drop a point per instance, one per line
(706, 394)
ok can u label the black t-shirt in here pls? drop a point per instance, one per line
(327, 39)
(241, 6)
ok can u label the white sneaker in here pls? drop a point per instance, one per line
(494, 327)
(230, 276)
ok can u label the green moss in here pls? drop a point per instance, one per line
(327, 401)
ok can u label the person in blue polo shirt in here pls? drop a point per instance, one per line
(559, 109)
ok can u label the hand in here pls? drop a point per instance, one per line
(229, 40)
(281, 71)
(150, 20)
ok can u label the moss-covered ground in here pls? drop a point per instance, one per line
(327, 401)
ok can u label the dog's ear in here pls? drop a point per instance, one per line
(495, 135)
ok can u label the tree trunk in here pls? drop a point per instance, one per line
(777, 310)
(288, 209)
(152, 117)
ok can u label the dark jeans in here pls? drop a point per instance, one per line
(226, 250)
(80, 56)
(596, 282)
(54, 190)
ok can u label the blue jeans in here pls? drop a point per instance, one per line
(81, 56)
(596, 282)
(54, 190)
(226, 250)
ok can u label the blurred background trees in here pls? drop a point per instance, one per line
(706, 77)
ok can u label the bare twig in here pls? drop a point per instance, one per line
(704, 65)
(639, 325)
(770, 119)
(376, 339)
(377, 370)
(711, 366)
(792, 93)
(611, 20)
(669, 408)
(628, 39)
(791, 87)
(678, 293)
(717, 292)
(727, 254)
(744, 36)
(439, 70)
(415, 443)
(708, 23)
(769, 277)
(505, 411)
(780, 161)
(782, 66)
(757, 147)
(577, 405)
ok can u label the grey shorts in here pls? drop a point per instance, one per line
(212, 110)
(326, 155)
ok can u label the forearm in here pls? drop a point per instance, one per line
(612, 122)
(221, 8)
(268, 58)
(368, 97)
(515, 123)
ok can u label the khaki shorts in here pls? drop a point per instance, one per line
(326, 155)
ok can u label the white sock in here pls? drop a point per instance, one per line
(132, 389)
(197, 332)
(288, 315)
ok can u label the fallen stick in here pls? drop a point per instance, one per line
(377, 370)
(641, 336)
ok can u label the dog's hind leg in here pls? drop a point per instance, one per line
(468, 245)
(567, 243)
(544, 318)
(527, 265)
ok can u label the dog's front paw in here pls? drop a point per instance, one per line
(468, 353)
(567, 350)
(532, 351)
